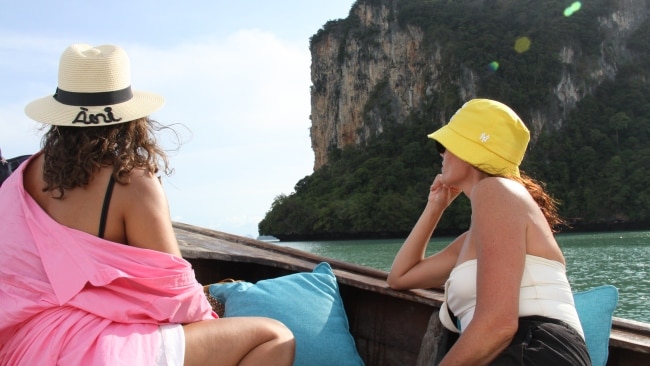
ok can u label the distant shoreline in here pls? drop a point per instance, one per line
(596, 227)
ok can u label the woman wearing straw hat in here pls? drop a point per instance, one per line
(91, 271)
(505, 283)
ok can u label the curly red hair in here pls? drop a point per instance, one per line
(547, 203)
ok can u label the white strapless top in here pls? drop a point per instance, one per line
(545, 291)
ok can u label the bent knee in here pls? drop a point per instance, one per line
(278, 329)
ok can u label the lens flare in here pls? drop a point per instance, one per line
(572, 9)
(522, 44)
(493, 66)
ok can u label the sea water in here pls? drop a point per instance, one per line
(621, 259)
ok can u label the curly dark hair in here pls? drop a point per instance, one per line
(74, 154)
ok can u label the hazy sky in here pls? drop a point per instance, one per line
(234, 73)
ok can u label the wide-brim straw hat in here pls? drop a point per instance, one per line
(94, 90)
(488, 135)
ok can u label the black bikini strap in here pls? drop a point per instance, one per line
(107, 202)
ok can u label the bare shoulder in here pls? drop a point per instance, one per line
(497, 200)
(144, 191)
(500, 216)
(497, 189)
(147, 216)
(142, 181)
(500, 183)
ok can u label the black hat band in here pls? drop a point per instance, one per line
(93, 99)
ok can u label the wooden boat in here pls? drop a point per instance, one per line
(390, 327)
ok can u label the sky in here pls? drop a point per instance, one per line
(235, 75)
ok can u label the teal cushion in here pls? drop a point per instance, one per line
(595, 310)
(307, 303)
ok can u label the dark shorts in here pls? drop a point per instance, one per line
(544, 341)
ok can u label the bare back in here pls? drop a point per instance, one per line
(138, 214)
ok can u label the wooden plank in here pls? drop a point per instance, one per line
(630, 334)
(202, 243)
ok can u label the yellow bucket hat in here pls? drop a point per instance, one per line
(486, 134)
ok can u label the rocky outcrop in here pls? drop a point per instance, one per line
(347, 71)
(371, 70)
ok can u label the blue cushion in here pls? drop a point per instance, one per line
(307, 303)
(595, 310)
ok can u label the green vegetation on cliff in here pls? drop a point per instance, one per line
(597, 163)
(375, 191)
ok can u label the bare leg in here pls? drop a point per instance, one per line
(238, 341)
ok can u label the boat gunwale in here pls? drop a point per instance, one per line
(625, 333)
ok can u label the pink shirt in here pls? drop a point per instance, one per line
(70, 298)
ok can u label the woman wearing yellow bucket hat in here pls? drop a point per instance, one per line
(506, 290)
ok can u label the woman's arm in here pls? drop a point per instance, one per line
(498, 232)
(410, 269)
(147, 218)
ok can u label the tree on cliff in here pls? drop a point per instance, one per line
(596, 160)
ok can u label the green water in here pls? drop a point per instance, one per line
(621, 259)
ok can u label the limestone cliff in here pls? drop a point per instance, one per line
(375, 68)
